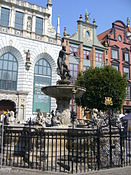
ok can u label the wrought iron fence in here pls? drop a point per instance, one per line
(65, 150)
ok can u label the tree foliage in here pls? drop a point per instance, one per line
(101, 83)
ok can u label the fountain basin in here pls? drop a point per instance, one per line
(63, 91)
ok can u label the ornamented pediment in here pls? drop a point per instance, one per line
(87, 34)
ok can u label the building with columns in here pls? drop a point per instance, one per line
(117, 40)
(89, 52)
(29, 48)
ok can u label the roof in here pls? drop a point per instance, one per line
(103, 35)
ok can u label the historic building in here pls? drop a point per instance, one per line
(128, 29)
(85, 48)
(116, 39)
(29, 48)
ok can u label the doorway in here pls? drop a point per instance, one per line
(6, 105)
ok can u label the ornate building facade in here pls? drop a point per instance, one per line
(29, 48)
(117, 40)
(86, 50)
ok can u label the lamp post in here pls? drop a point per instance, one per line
(108, 102)
(2, 136)
(73, 113)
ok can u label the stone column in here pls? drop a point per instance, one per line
(33, 25)
(105, 57)
(43, 26)
(46, 21)
(12, 20)
(66, 43)
(79, 109)
(25, 24)
(25, 21)
(93, 58)
(80, 57)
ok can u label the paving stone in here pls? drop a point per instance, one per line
(16, 171)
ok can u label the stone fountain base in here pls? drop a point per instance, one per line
(63, 107)
(63, 93)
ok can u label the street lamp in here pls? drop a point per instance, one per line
(73, 113)
(108, 102)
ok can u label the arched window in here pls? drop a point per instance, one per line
(42, 77)
(8, 72)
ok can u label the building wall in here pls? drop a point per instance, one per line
(84, 46)
(116, 38)
(18, 42)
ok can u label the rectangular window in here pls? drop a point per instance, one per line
(74, 50)
(99, 59)
(126, 71)
(86, 59)
(39, 26)
(19, 20)
(128, 94)
(73, 72)
(114, 54)
(4, 17)
(86, 54)
(125, 56)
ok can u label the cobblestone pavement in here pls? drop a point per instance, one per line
(113, 171)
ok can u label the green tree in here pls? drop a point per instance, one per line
(101, 83)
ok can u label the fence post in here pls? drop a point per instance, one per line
(2, 142)
(110, 138)
(98, 148)
(121, 141)
(69, 146)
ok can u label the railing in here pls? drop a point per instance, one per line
(65, 150)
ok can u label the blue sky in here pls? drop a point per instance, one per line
(103, 11)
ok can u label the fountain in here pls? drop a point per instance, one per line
(63, 91)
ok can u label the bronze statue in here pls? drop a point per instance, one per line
(28, 56)
(62, 69)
